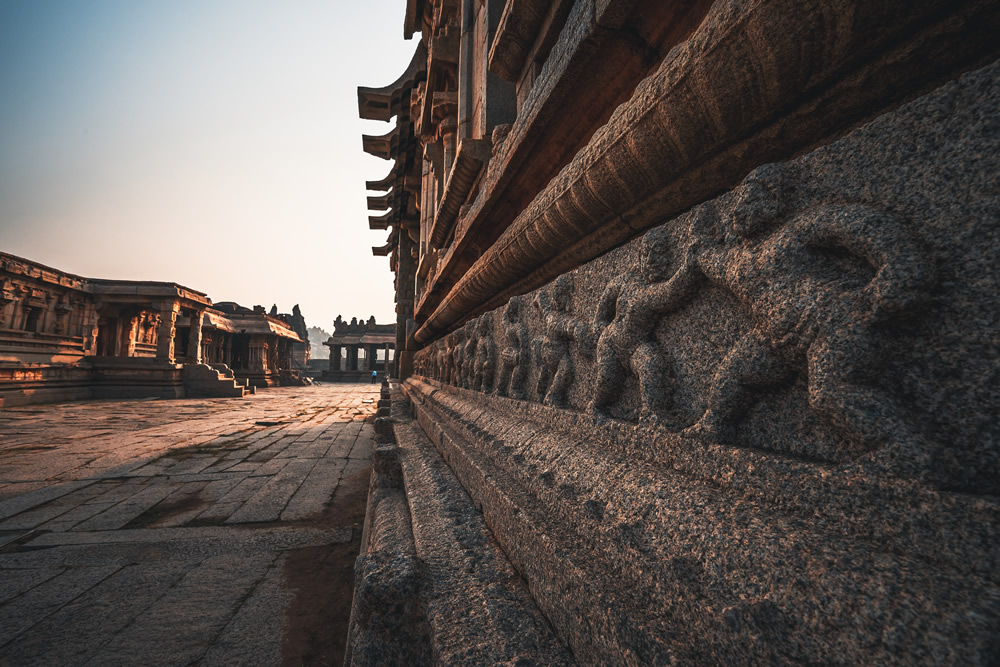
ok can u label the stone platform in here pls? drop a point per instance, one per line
(217, 531)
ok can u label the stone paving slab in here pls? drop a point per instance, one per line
(160, 532)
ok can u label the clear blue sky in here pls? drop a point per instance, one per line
(213, 143)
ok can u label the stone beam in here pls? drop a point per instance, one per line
(383, 146)
(384, 103)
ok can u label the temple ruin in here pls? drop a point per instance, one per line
(697, 328)
(356, 348)
(64, 337)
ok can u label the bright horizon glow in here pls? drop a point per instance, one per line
(210, 143)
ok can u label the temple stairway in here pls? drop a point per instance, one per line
(215, 381)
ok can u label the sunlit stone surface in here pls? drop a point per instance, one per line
(222, 531)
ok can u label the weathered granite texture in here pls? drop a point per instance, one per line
(774, 434)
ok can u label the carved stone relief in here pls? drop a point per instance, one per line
(514, 360)
(824, 309)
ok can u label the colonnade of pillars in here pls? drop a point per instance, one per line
(350, 352)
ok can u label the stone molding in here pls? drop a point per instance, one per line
(701, 554)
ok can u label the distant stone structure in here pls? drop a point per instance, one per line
(697, 318)
(301, 349)
(355, 347)
(64, 337)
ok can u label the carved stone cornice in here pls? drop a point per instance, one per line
(384, 103)
(380, 202)
(516, 33)
(472, 154)
(380, 221)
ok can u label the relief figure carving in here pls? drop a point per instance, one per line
(561, 330)
(486, 356)
(513, 371)
(457, 349)
(469, 355)
(626, 317)
(447, 360)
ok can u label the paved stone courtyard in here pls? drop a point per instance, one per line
(209, 531)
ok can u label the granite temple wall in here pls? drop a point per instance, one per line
(735, 422)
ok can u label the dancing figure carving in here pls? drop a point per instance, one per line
(627, 316)
(469, 355)
(486, 356)
(561, 330)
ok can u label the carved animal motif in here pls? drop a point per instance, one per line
(817, 288)
(513, 369)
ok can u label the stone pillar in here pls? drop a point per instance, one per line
(227, 352)
(89, 330)
(465, 70)
(406, 273)
(334, 358)
(448, 136)
(385, 365)
(165, 332)
(500, 97)
(133, 335)
(194, 337)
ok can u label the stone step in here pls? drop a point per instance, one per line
(204, 381)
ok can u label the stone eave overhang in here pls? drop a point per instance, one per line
(381, 221)
(381, 202)
(384, 103)
(130, 290)
(383, 184)
(382, 146)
